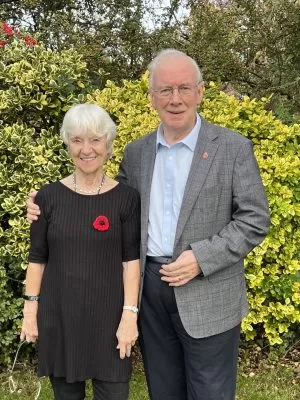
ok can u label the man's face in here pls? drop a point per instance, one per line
(177, 111)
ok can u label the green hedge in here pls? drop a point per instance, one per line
(37, 86)
(272, 269)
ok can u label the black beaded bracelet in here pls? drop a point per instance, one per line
(31, 298)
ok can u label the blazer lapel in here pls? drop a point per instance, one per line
(147, 166)
(205, 151)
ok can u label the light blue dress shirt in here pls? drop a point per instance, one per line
(171, 169)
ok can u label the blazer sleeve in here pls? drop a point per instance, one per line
(123, 169)
(250, 218)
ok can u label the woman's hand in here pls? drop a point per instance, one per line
(127, 333)
(29, 330)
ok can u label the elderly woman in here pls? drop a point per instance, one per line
(83, 275)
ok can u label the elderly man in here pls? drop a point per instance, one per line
(203, 210)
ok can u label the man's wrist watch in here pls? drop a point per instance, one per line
(133, 309)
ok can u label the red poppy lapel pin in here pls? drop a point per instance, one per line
(101, 223)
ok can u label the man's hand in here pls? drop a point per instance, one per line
(181, 271)
(33, 210)
(127, 333)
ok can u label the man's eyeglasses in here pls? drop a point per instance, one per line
(183, 90)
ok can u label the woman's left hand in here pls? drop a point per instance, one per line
(127, 333)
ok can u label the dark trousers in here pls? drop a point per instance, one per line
(177, 366)
(76, 390)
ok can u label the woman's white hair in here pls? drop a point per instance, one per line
(88, 118)
(173, 53)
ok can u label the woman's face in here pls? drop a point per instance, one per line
(88, 152)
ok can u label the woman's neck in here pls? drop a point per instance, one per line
(88, 180)
(88, 183)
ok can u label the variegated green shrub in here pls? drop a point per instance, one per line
(36, 87)
(272, 269)
(32, 154)
(130, 108)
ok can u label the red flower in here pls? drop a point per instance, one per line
(8, 30)
(7, 33)
(101, 223)
(29, 41)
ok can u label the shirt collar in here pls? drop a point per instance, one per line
(190, 140)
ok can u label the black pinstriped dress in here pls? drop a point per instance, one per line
(82, 286)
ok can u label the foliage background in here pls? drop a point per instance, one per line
(37, 86)
(272, 269)
(252, 47)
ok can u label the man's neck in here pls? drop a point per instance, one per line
(172, 136)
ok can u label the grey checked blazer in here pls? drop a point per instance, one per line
(224, 215)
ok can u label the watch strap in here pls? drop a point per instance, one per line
(133, 309)
(31, 298)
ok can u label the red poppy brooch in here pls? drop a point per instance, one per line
(101, 223)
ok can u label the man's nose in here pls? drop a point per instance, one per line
(175, 97)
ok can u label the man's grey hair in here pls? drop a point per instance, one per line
(88, 118)
(174, 53)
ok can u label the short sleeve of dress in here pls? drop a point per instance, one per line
(38, 252)
(131, 227)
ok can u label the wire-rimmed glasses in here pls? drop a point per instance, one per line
(184, 90)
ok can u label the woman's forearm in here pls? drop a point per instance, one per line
(34, 277)
(127, 332)
(131, 281)
(33, 285)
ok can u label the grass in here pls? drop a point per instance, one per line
(270, 382)
(278, 383)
